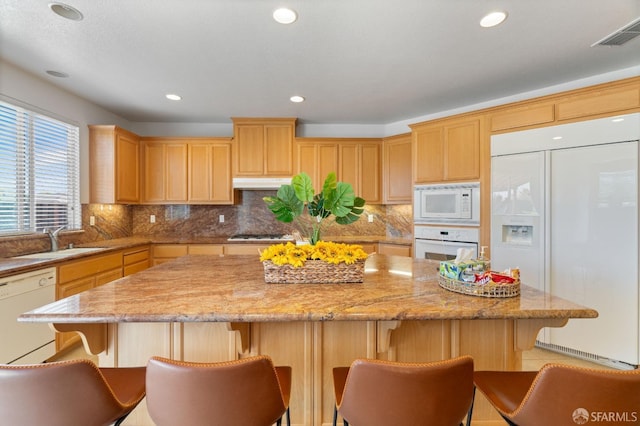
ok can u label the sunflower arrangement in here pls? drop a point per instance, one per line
(297, 255)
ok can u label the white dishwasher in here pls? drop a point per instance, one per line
(23, 342)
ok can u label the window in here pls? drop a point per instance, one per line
(39, 178)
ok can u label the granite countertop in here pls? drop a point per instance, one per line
(16, 265)
(232, 288)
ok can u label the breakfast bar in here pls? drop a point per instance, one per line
(212, 308)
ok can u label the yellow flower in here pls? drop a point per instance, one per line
(291, 254)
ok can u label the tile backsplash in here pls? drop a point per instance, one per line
(249, 216)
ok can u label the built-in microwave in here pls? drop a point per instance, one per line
(456, 203)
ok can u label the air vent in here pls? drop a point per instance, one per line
(621, 36)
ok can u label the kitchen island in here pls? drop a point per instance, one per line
(213, 308)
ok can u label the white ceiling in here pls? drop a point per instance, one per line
(355, 61)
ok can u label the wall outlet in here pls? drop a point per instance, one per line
(92, 220)
(152, 218)
(221, 218)
(370, 218)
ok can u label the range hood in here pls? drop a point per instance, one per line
(260, 183)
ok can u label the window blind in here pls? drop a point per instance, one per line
(39, 172)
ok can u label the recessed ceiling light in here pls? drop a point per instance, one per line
(493, 19)
(173, 97)
(296, 99)
(285, 16)
(617, 120)
(66, 11)
(556, 138)
(58, 74)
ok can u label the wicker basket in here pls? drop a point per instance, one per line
(314, 271)
(483, 290)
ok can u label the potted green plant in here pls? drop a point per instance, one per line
(336, 198)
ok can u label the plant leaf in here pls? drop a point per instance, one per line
(303, 187)
(329, 185)
(285, 206)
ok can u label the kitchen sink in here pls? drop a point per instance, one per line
(60, 253)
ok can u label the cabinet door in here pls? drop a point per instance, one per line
(349, 168)
(369, 173)
(278, 150)
(360, 166)
(462, 151)
(127, 168)
(210, 173)
(165, 172)
(154, 176)
(250, 150)
(447, 152)
(317, 159)
(221, 185)
(429, 161)
(176, 172)
(396, 170)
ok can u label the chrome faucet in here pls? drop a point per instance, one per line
(54, 236)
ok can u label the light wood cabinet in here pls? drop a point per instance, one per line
(517, 118)
(114, 166)
(135, 260)
(210, 172)
(252, 249)
(448, 151)
(76, 276)
(187, 171)
(361, 166)
(317, 158)
(165, 171)
(165, 252)
(394, 249)
(263, 146)
(603, 101)
(396, 170)
(215, 249)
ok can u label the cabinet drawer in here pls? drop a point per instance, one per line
(206, 249)
(135, 267)
(394, 249)
(232, 249)
(129, 258)
(170, 250)
(107, 277)
(92, 266)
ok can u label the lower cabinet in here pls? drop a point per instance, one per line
(76, 276)
(394, 249)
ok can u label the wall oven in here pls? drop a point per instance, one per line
(442, 243)
(457, 203)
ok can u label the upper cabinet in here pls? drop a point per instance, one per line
(396, 169)
(355, 161)
(360, 165)
(210, 172)
(263, 146)
(165, 171)
(114, 166)
(317, 158)
(187, 171)
(447, 150)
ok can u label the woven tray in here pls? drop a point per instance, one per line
(314, 271)
(483, 290)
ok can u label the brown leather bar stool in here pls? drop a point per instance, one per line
(245, 392)
(68, 393)
(562, 395)
(376, 393)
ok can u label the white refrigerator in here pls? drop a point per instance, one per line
(564, 210)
